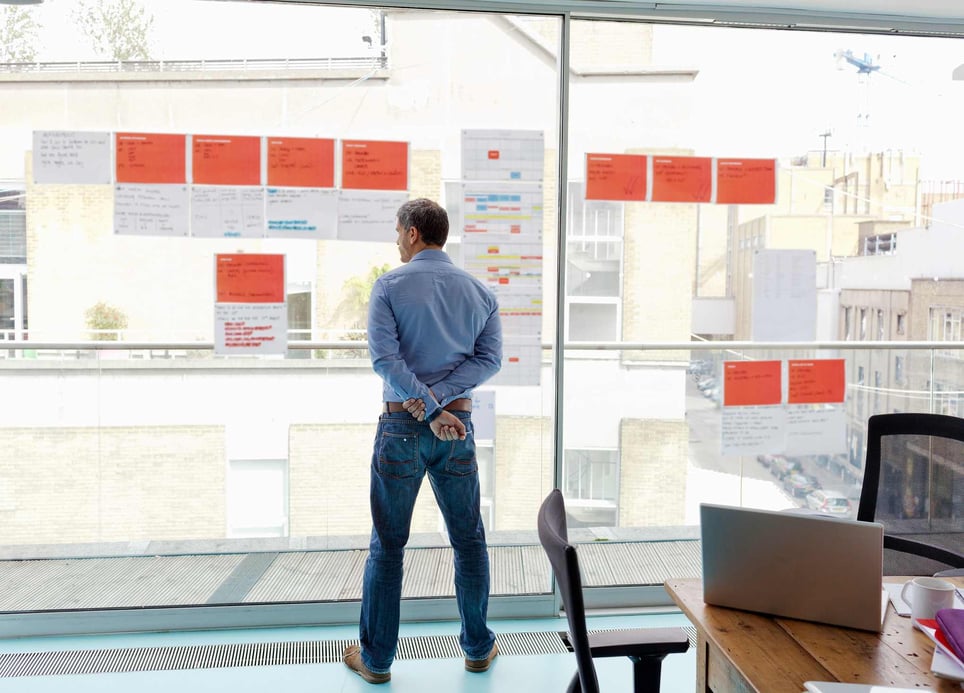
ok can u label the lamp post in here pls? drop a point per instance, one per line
(823, 159)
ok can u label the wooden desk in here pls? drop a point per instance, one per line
(743, 651)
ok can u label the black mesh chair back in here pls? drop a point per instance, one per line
(646, 647)
(914, 485)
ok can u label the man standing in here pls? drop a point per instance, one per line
(434, 335)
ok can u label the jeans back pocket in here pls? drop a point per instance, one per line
(462, 460)
(397, 454)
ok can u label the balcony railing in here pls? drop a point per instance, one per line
(114, 451)
(371, 62)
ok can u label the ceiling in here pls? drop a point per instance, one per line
(922, 17)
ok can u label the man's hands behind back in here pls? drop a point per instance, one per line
(446, 426)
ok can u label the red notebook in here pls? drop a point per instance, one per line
(950, 624)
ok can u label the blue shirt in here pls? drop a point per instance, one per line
(433, 325)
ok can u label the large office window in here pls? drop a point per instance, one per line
(593, 267)
(591, 486)
(191, 447)
(257, 501)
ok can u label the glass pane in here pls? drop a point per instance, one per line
(166, 442)
(6, 304)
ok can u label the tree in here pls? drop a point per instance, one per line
(352, 309)
(18, 35)
(118, 29)
(103, 316)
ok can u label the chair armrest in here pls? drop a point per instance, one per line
(638, 642)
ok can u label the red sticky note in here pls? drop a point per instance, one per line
(226, 160)
(812, 381)
(143, 157)
(746, 181)
(750, 383)
(371, 165)
(301, 162)
(255, 278)
(682, 179)
(616, 177)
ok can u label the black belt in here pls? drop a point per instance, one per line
(464, 404)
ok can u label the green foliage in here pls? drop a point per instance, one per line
(103, 316)
(117, 29)
(357, 291)
(352, 310)
(18, 35)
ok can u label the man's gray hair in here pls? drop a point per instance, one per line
(430, 218)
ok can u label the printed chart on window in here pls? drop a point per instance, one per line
(502, 155)
(502, 246)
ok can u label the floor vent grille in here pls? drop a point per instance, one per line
(258, 654)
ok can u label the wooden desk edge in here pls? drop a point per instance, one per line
(795, 658)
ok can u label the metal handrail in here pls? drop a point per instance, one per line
(243, 65)
(568, 346)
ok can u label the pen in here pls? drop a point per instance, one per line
(960, 593)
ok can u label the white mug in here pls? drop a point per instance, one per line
(927, 595)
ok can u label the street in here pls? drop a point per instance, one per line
(737, 480)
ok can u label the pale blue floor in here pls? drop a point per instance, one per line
(528, 673)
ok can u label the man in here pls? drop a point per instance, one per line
(434, 335)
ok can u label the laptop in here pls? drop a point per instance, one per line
(805, 566)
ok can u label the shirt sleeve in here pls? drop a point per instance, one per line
(384, 349)
(482, 365)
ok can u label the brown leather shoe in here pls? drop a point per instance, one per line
(352, 659)
(480, 665)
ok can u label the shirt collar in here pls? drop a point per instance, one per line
(432, 254)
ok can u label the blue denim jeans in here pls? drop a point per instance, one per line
(404, 451)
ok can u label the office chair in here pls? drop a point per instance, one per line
(913, 484)
(646, 647)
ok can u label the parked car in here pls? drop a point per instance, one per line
(781, 467)
(831, 502)
(765, 460)
(699, 368)
(799, 485)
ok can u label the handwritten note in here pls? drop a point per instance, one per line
(371, 165)
(816, 380)
(67, 156)
(751, 383)
(302, 213)
(250, 328)
(816, 430)
(682, 179)
(746, 181)
(151, 210)
(616, 177)
(752, 430)
(368, 215)
(301, 162)
(227, 212)
(254, 278)
(225, 160)
(150, 158)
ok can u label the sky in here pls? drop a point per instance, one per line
(210, 29)
(791, 81)
(803, 90)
